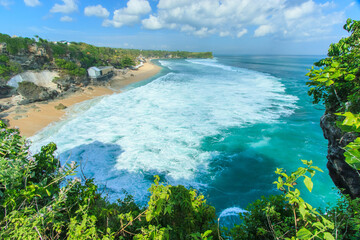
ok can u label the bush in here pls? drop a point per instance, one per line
(38, 200)
(70, 67)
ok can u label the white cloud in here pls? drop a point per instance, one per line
(97, 11)
(152, 23)
(32, 3)
(6, 3)
(282, 18)
(264, 30)
(66, 19)
(68, 7)
(130, 14)
(352, 4)
(300, 11)
(328, 5)
(224, 34)
(241, 33)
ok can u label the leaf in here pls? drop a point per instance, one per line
(308, 183)
(328, 236)
(317, 168)
(318, 225)
(207, 233)
(350, 77)
(303, 233)
(302, 209)
(352, 120)
(335, 64)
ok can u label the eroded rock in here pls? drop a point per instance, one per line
(34, 93)
(344, 177)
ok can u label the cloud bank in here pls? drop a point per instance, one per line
(283, 18)
(67, 7)
(130, 14)
(97, 11)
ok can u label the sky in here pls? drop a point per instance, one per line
(279, 27)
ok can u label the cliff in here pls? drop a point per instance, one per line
(344, 177)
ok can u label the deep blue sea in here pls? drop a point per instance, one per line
(219, 125)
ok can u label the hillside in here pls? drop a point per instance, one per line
(18, 54)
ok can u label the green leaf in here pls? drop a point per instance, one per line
(328, 236)
(335, 64)
(303, 233)
(207, 233)
(302, 209)
(317, 168)
(318, 225)
(350, 77)
(308, 183)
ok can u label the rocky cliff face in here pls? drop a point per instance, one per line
(344, 176)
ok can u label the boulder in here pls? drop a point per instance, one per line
(60, 106)
(4, 107)
(64, 83)
(6, 91)
(34, 93)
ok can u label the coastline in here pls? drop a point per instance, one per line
(31, 118)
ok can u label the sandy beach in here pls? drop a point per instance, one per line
(31, 118)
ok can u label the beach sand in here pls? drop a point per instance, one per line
(31, 118)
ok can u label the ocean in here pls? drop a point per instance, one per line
(220, 125)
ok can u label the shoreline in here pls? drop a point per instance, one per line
(32, 118)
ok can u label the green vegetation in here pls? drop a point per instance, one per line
(38, 200)
(74, 58)
(8, 68)
(70, 67)
(337, 84)
(16, 44)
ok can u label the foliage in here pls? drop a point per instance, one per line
(336, 80)
(308, 223)
(265, 218)
(38, 200)
(346, 218)
(70, 67)
(179, 211)
(8, 68)
(127, 62)
(14, 45)
(337, 84)
(286, 216)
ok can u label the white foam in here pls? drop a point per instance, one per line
(232, 211)
(165, 64)
(159, 127)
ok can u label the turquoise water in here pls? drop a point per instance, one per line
(219, 125)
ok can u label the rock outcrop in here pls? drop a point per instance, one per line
(344, 177)
(6, 91)
(34, 93)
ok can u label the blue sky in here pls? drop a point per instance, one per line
(222, 26)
